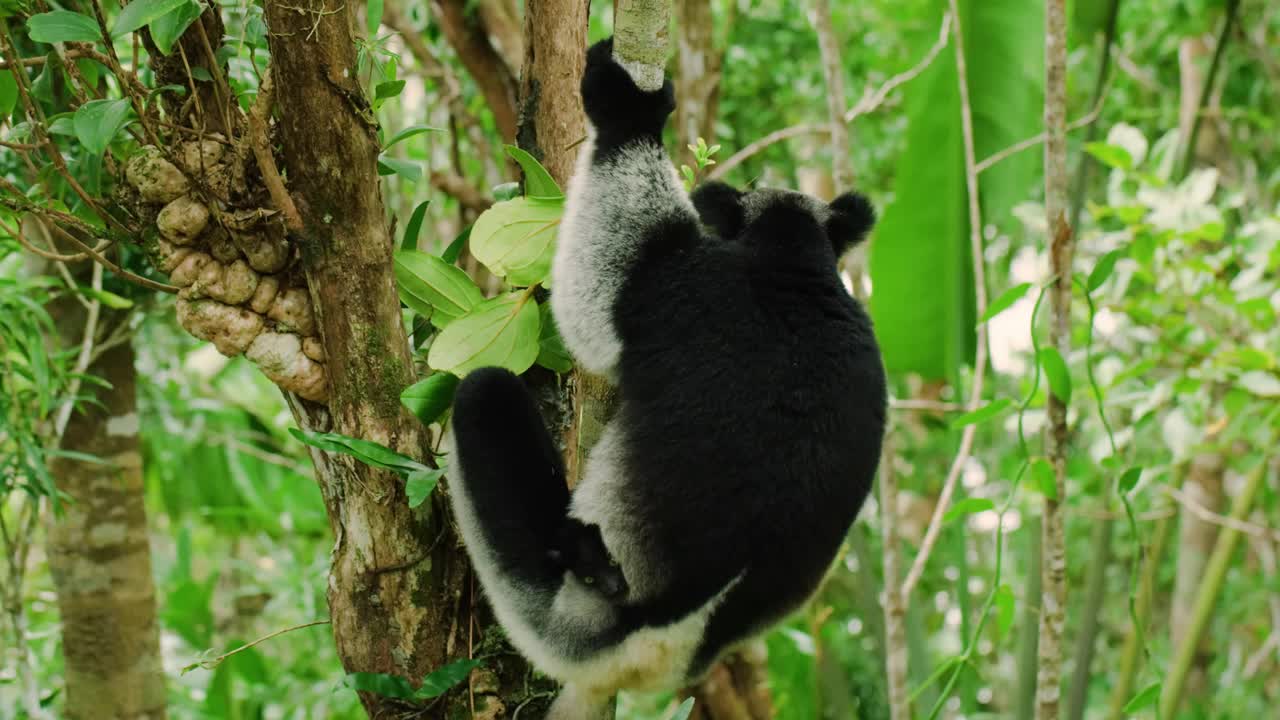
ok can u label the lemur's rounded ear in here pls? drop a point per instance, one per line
(851, 218)
(719, 206)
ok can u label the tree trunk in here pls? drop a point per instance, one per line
(1196, 539)
(99, 554)
(697, 76)
(470, 39)
(551, 120)
(1053, 614)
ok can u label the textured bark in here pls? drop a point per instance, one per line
(470, 39)
(551, 119)
(1054, 552)
(833, 73)
(697, 76)
(398, 576)
(895, 611)
(99, 556)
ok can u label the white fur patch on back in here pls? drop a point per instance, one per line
(608, 211)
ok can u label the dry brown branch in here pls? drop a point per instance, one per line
(870, 101)
(458, 188)
(1248, 528)
(261, 147)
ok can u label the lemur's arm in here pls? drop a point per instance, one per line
(624, 193)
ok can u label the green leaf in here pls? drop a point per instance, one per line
(107, 298)
(380, 684)
(419, 484)
(506, 191)
(552, 354)
(62, 26)
(1055, 369)
(1044, 479)
(1129, 480)
(920, 263)
(201, 74)
(502, 331)
(166, 29)
(983, 413)
(410, 239)
(439, 681)
(968, 506)
(428, 399)
(434, 288)
(390, 89)
(142, 12)
(1144, 699)
(373, 16)
(410, 131)
(8, 94)
(1106, 265)
(516, 239)
(409, 170)
(537, 181)
(683, 710)
(1004, 609)
(97, 122)
(1110, 155)
(370, 453)
(1005, 301)
(451, 253)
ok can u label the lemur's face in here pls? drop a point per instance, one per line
(730, 213)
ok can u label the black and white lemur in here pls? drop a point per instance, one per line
(751, 413)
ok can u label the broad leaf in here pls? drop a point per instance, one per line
(439, 681)
(428, 399)
(983, 413)
(1144, 699)
(419, 484)
(1005, 301)
(389, 89)
(142, 12)
(62, 26)
(382, 684)
(1129, 480)
(97, 122)
(552, 354)
(407, 169)
(968, 506)
(537, 181)
(502, 332)
(410, 131)
(411, 230)
(8, 94)
(920, 263)
(166, 29)
(1055, 369)
(1106, 265)
(1043, 479)
(373, 16)
(435, 288)
(516, 239)
(1112, 156)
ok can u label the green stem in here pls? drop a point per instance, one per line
(1207, 597)
(1080, 187)
(1134, 643)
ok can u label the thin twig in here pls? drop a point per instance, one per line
(1252, 529)
(1002, 155)
(980, 297)
(870, 101)
(124, 274)
(258, 142)
(82, 359)
(215, 662)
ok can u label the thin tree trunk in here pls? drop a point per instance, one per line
(833, 72)
(1024, 697)
(894, 601)
(551, 121)
(1053, 606)
(398, 576)
(1196, 538)
(697, 76)
(470, 39)
(99, 554)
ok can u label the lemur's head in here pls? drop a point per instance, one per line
(731, 213)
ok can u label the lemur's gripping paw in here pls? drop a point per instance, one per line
(615, 106)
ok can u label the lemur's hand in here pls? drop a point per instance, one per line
(615, 106)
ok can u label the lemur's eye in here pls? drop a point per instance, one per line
(589, 580)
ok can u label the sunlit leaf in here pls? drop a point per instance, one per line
(435, 288)
(1005, 301)
(968, 506)
(141, 12)
(516, 239)
(1110, 155)
(1055, 369)
(1260, 383)
(1101, 271)
(370, 453)
(410, 131)
(502, 332)
(409, 170)
(1129, 480)
(166, 29)
(389, 89)
(984, 413)
(1144, 699)
(419, 484)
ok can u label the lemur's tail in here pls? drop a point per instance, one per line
(506, 480)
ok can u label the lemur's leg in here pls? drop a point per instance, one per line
(624, 193)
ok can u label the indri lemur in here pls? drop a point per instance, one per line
(751, 413)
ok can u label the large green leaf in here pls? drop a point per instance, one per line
(434, 288)
(62, 26)
(97, 122)
(427, 399)
(502, 331)
(516, 238)
(537, 181)
(921, 267)
(166, 29)
(141, 12)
